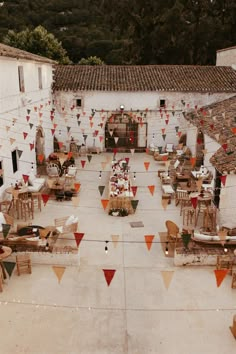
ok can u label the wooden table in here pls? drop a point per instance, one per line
(7, 252)
(15, 201)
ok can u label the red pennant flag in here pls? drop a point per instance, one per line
(224, 146)
(83, 163)
(151, 189)
(27, 118)
(148, 240)
(104, 203)
(40, 114)
(194, 201)
(127, 160)
(109, 274)
(25, 178)
(41, 158)
(69, 154)
(223, 179)
(31, 146)
(115, 151)
(147, 151)
(164, 158)
(163, 130)
(220, 274)
(25, 135)
(166, 121)
(233, 130)
(100, 138)
(201, 121)
(35, 108)
(52, 117)
(193, 161)
(146, 165)
(77, 186)
(78, 237)
(53, 131)
(54, 125)
(45, 198)
(60, 143)
(134, 190)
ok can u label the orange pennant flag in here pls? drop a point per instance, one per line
(75, 201)
(222, 235)
(164, 203)
(12, 140)
(77, 186)
(69, 154)
(151, 189)
(103, 165)
(164, 158)
(148, 240)
(233, 130)
(193, 161)
(146, 165)
(115, 239)
(109, 274)
(59, 271)
(167, 276)
(41, 158)
(104, 203)
(220, 274)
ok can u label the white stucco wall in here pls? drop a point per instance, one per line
(226, 57)
(228, 202)
(13, 107)
(109, 102)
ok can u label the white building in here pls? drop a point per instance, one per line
(134, 106)
(25, 110)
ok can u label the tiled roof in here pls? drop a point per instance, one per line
(178, 78)
(218, 121)
(11, 52)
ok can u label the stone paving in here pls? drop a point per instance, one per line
(137, 313)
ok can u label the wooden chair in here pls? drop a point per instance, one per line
(26, 206)
(233, 284)
(1, 280)
(225, 262)
(182, 198)
(23, 264)
(37, 200)
(61, 226)
(172, 232)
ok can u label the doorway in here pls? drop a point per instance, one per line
(39, 151)
(124, 132)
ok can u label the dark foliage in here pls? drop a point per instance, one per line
(130, 31)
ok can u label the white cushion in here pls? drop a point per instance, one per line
(31, 178)
(71, 220)
(2, 221)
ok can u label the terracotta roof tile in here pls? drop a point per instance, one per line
(11, 52)
(218, 121)
(178, 78)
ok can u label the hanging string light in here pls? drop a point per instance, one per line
(166, 250)
(134, 175)
(100, 174)
(106, 248)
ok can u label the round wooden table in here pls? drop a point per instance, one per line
(7, 252)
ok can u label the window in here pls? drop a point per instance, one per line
(162, 103)
(21, 79)
(78, 102)
(40, 78)
(14, 160)
(1, 174)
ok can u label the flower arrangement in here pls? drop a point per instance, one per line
(118, 212)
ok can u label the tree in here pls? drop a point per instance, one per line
(91, 61)
(38, 41)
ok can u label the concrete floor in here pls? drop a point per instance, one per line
(136, 314)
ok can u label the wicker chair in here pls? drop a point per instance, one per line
(172, 232)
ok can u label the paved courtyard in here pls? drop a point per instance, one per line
(137, 313)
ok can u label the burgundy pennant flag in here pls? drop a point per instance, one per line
(31, 146)
(109, 274)
(83, 163)
(134, 190)
(53, 131)
(223, 179)
(194, 201)
(45, 198)
(25, 135)
(78, 237)
(115, 151)
(27, 118)
(224, 146)
(25, 178)
(127, 160)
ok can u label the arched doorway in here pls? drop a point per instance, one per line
(39, 150)
(200, 146)
(122, 131)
